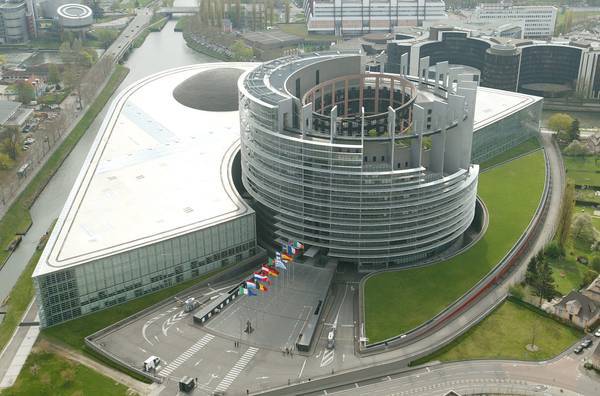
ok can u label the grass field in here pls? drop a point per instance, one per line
(567, 274)
(17, 219)
(504, 335)
(583, 170)
(511, 193)
(46, 373)
(523, 148)
(18, 300)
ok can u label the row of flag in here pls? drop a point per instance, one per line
(261, 278)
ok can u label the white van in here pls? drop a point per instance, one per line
(151, 363)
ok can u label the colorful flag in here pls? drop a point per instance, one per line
(298, 245)
(277, 255)
(262, 287)
(250, 284)
(271, 262)
(270, 271)
(251, 292)
(260, 277)
(286, 257)
(290, 249)
(279, 264)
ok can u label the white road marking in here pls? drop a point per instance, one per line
(197, 363)
(172, 320)
(236, 370)
(302, 369)
(157, 340)
(343, 357)
(262, 378)
(186, 355)
(143, 350)
(328, 357)
(212, 377)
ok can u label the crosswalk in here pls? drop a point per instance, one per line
(168, 370)
(236, 370)
(328, 357)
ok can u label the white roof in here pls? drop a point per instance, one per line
(157, 169)
(494, 104)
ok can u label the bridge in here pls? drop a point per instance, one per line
(177, 10)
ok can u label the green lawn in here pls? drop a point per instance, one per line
(18, 300)
(567, 274)
(46, 373)
(17, 219)
(504, 335)
(583, 170)
(523, 148)
(396, 302)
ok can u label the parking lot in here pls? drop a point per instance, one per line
(223, 357)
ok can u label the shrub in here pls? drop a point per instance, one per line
(517, 291)
(595, 263)
(5, 162)
(588, 278)
(553, 250)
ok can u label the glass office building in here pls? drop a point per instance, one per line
(152, 206)
(370, 168)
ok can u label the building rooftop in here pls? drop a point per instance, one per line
(7, 110)
(495, 104)
(157, 169)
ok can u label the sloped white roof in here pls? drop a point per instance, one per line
(157, 169)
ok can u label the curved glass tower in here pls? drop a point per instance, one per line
(370, 168)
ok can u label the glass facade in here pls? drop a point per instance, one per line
(364, 195)
(506, 133)
(102, 283)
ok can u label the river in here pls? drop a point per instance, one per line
(161, 50)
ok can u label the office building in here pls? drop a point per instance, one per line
(154, 204)
(539, 21)
(351, 17)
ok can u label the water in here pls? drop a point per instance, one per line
(161, 50)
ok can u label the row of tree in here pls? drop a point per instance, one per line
(261, 15)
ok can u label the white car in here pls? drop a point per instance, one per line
(597, 333)
(29, 141)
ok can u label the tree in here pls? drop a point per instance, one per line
(588, 278)
(106, 37)
(241, 52)
(576, 149)
(53, 74)
(25, 92)
(553, 250)
(595, 263)
(566, 215)
(287, 11)
(560, 122)
(574, 130)
(10, 144)
(583, 229)
(539, 277)
(238, 14)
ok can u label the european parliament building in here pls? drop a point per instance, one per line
(369, 167)
(192, 166)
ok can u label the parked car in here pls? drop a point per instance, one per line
(597, 333)
(578, 349)
(586, 343)
(29, 141)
